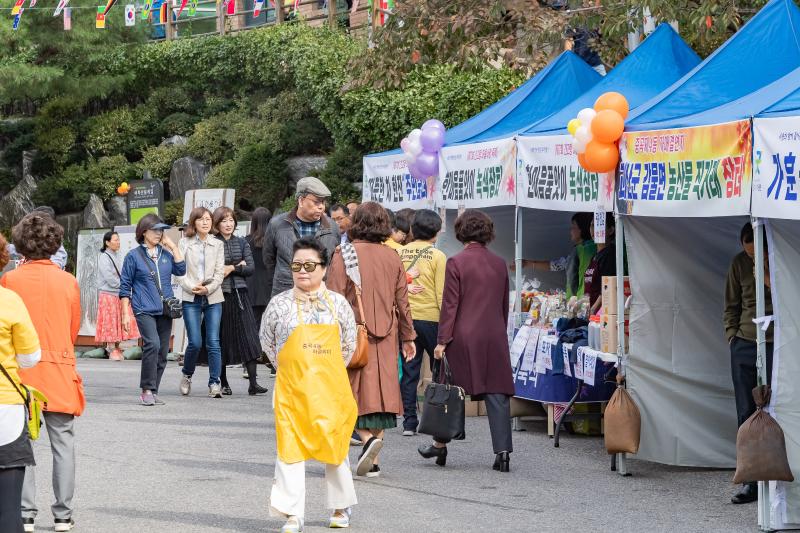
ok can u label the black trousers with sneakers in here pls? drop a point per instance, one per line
(498, 410)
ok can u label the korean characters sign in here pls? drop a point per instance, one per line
(775, 167)
(388, 182)
(478, 175)
(144, 196)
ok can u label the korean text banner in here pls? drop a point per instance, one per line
(776, 143)
(690, 172)
(388, 182)
(549, 177)
(478, 175)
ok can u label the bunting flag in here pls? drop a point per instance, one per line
(60, 7)
(162, 12)
(33, 3)
(17, 7)
(100, 21)
(109, 5)
(257, 9)
(17, 18)
(130, 15)
(67, 18)
(146, 9)
(180, 9)
(193, 8)
(231, 6)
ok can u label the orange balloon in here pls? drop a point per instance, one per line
(613, 101)
(602, 157)
(582, 162)
(607, 126)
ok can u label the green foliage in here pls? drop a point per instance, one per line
(341, 172)
(220, 175)
(178, 124)
(158, 160)
(120, 131)
(259, 175)
(173, 212)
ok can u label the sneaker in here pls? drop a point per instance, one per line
(215, 391)
(409, 433)
(272, 372)
(116, 355)
(375, 471)
(64, 524)
(245, 373)
(27, 525)
(340, 519)
(293, 525)
(147, 400)
(157, 400)
(371, 450)
(186, 385)
(355, 440)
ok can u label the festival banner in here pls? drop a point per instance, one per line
(550, 177)
(705, 171)
(776, 143)
(478, 175)
(388, 182)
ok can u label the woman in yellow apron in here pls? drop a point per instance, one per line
(309, 334)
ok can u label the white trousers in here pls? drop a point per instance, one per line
(288, 496)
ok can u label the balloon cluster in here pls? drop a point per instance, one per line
(421, 149)
(596, 131)
(123, 188)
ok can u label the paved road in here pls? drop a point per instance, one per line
(203, 465)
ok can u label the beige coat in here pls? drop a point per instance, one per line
(385, 297)
(214, 251)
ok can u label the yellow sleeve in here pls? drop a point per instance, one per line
(23, 334)
(440, 264)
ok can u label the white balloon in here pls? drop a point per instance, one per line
(414, 146)
(579, 146)
(586, 115)
(410, 158)
(584, 135)
(414, 135)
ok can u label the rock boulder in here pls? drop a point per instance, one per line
(94, 215)
(187, 173)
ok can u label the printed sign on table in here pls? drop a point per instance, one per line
(776, 144)
(703, 171)
(550, 177)
(529, 355)
(388, 182)
(478, 175)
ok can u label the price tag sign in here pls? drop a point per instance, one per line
(565, 353)
(579, 363)
(518, 346)
(529, 355)
(600, 225)
(589, 365)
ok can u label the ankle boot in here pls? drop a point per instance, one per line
(256, 389)
(502, 462)
(432, 451)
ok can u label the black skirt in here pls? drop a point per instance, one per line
(238, 333)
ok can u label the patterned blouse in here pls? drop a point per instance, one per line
(280, 320)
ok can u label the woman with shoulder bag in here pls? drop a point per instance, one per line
(239, 332)
(109, 310)
(257, 283)
(146, 289)
(384, 298)
(19, 348)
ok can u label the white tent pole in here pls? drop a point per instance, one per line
(761, 367)
(619, 241)
(518, 260)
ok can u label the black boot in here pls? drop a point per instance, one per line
(502, 462)
(432, 451)
(748, 493)
(256, 389)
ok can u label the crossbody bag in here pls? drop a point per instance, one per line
(172, 307)
(35, 403)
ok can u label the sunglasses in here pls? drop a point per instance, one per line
(308, 266)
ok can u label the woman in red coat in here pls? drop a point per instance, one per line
(472, 330)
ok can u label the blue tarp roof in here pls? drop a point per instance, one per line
(550, 89)
(660, 60)
(762, 51)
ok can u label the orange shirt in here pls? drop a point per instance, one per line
(53, 300)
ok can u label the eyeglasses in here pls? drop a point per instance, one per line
(308, 266)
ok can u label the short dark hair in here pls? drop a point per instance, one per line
(5, 257)
(194, 215)
(403, 220)
(106, 238)
(392, 219)
(220, 214)
(370, 223)
(474, 226)
(426, 225)
(584, 223)
(312, 243)
(746, 235)
(340, 207)
(258, 225)
(37, 236)
(145, 223)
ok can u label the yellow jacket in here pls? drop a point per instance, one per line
(431, 265)
(17, 336)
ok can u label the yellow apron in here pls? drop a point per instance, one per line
(315, 410)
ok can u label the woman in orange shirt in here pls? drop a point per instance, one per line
(54, 303)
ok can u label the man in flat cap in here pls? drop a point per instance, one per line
(308, 219)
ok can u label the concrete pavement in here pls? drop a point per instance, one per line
(205, 465)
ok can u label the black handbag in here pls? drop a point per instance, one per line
(172, 307)
(443, 407)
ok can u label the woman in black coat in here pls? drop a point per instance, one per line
(257, 283)
(238, 329)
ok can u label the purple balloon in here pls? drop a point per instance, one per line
(431, 139)
(428, 164)
(433, 123)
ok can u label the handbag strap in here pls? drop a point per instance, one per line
(417, 258)
(350, 257)
(147, 261)
(113, 263)
(25, 397)
(444, 368)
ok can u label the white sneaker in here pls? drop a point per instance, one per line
(293, 525)
(340, 519)
(28, 526)
(215, 391)
(409, 433)
(186, 385)
(64, 524)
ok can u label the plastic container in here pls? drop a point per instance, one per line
(594, 332)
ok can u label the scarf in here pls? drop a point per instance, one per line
(311, 300)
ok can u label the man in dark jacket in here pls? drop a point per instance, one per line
(308, 219)
(740, 310)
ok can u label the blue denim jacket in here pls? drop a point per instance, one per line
(137, 284)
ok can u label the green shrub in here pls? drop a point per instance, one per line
(121, 131)
(220, 175)
(342, 172)
(8, 180)
(165, 101)
(69, 189)
(158, 160)
(173, 212)
(259, 175)
(178, 124)
(55, 145)
(12, 153)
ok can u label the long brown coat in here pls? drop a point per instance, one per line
(385, 298)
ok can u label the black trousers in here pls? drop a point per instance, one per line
(427, 333)
(498, 410)
(155, 331)
(744, 373)
(11, 499)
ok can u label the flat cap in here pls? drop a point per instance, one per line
(312, 185)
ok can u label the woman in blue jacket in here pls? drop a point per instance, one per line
(158, 254)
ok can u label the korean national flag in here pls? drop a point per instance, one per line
(130, 15)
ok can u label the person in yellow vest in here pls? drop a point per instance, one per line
(309, 334)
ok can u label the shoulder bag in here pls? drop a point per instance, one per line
(113, 263)
(35, 402)
(173, 308)
(443, 407)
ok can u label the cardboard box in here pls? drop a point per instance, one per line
(471, 407)
(609, 293)
(608, 333)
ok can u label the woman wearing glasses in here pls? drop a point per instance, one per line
(309, 334)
